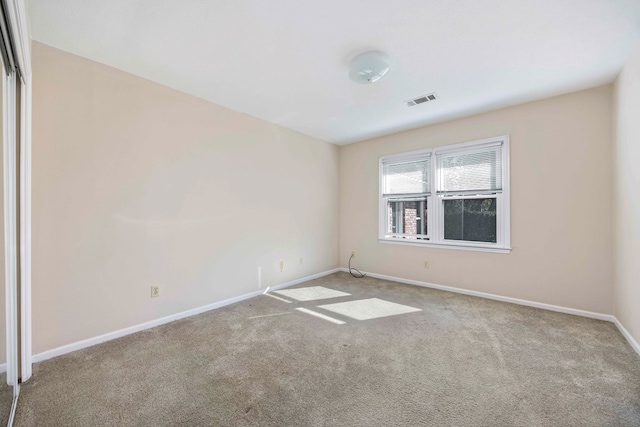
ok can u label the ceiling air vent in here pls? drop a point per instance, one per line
(422, 99)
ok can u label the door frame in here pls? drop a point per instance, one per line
(19, 342)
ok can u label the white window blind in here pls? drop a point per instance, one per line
(470, 170)
(407, 177)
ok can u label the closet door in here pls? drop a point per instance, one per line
(14, 234)
(6, 391)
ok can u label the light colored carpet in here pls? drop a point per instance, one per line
(458, 361)
(6, 399)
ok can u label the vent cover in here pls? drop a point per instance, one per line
(422, 99)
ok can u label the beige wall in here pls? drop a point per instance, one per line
(626, 107)
(135, 184)
(561, 221)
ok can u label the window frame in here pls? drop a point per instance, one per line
(435, 202)
(416, 237)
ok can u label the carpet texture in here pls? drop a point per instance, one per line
(6, 399)
(458, 361)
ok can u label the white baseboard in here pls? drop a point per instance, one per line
(157, 322)
(3, 368)
(48, 354)
(634, 344)
(600, 316)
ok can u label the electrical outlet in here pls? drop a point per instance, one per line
(281, 265)
(353, 254)
(426, 264)
(155, 291)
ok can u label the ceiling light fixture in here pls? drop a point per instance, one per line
(369, 67)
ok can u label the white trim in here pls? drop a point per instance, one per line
(151, 324)
(550, 307)
(505, 204)
(21, 37)
(25, 231)
(17, 16)
(457, 246)
(3, 369)
(487, 142)
(14, 405)
(48, 354)
(435, 212)
(632, 342)
(10, 225)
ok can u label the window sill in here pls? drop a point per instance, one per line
(446, 246)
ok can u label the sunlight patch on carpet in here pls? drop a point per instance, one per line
(278, 298)
(311, 293)
(366, 309)
(320, 315)
(270, 315)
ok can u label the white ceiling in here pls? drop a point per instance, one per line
(285, 61)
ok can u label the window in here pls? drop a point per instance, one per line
(453, 196)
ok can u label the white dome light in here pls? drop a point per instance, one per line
(369, 67)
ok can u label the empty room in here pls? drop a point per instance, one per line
(337, 213)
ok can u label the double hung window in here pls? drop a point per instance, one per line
(451, 196)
